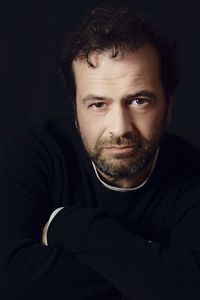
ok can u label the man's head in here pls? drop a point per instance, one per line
(118, 29)
(124, 77)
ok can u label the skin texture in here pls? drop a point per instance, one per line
(121, 113)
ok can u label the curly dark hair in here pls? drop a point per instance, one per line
(118, 29)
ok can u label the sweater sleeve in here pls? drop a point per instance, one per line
(29, 270)
(138, 268)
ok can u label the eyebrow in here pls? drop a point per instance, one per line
(142, 93)
(91, 97)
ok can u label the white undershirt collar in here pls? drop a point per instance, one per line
(118, 189)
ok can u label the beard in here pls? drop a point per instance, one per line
(125, 164)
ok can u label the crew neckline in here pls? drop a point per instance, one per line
(118, 189)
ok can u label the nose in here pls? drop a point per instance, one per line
(121, 121)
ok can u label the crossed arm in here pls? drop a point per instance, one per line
(138, 268)
(88, 248)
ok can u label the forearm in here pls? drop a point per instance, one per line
(137, 268)
(31, 271)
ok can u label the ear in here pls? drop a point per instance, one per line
(170, 103)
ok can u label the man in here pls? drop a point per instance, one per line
(109, 210)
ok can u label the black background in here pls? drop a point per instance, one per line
(32, 34)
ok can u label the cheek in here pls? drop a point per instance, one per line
(91, 128)
(88, 131)
(150, 124)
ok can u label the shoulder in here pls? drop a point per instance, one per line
(178, 143)
(47, 133)
(179, 164)
(40, 142)
(181, 160)
(180, 155)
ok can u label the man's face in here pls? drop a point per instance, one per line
(121, 110)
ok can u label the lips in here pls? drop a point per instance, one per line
(119, 149)
(122, 147)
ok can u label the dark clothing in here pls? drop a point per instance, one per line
(104, 245)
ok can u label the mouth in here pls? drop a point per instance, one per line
(121, 149)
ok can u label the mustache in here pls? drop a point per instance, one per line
(129, 139)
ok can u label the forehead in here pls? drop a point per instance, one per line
(141, 66)
(147, 53)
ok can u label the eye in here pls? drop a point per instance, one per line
(98, 106)
(139, 101)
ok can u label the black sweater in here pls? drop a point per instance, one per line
(104, 245)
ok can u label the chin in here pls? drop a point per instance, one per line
(125, 168)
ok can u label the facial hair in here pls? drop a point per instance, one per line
(127, 164)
